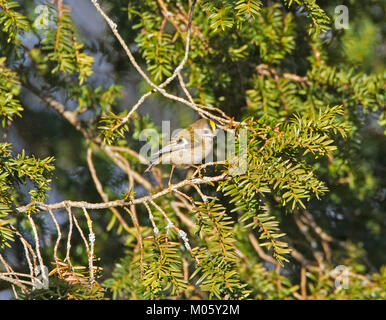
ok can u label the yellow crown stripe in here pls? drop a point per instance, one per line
(213, 125)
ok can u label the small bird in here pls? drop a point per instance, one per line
(187, 147)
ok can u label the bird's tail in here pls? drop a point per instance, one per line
(152, 164)
(150, 167)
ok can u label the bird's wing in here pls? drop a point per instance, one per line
(178, 143)
(173, 145)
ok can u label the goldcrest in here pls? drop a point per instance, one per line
(188, 146)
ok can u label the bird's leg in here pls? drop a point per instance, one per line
(171, 174)
(198, 170)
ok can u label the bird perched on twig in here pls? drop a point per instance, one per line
(187, 147)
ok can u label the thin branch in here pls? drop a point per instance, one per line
(16, 282)
(91, 237)
(151, 217)
(303, 282)
(59, 235)
(204, 113)
(180, 232)
(10, 272)
(27, 250)
(122, 163)
(117, 203)
(99, 188)
(167, 81)
(71, 117)
(255, 244)
(135, 221)
(184, 219)
(67, 258)
(37, 248)
(81, 233)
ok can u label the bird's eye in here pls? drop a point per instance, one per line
(206, 131)
(180, 140)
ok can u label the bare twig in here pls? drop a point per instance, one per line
(17, 282)
(10, 272)
(27, 250)
(91, 237)
(117, 203)
(99, 188)
(255, 244)
(37, 249)
(303, 282)
(200, 109)
(184, 219)
(159, 88)
(134, 218)
(180, 232)
(151, 217)
(69, 235)
(59, 235)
